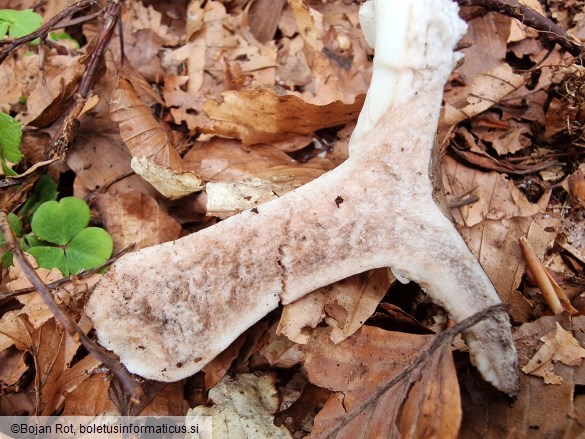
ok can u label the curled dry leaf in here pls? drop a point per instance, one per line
(171, 184)
(154, 158)
(424, 404)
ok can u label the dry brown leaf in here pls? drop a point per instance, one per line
(53, 376)
(136, 218)
(46, 102)
(91, 399)
(344, 305)
(139, 129)
(424, 404)
(14, 332)
(143, 17)
(154, 157)
(540, 411)
(18, 77)
(227, 160)
(243, 408)
(264, 16)
(168, 402)
(559, 346)
(101, 157)
(576, 185)
(13, 369)
(217, 368)
(495, 244)
(499, 198)
(485, 91)
(262, 116)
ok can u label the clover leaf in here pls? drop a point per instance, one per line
(19, 23)
(69, 244)
(10, 137)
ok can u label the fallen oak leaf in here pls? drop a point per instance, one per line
(154, 157)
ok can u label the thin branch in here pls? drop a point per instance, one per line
(64, 136)
(56, 284)
(44, 30)
(547, 28)
(62, 316)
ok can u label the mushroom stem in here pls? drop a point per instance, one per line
(168, 310)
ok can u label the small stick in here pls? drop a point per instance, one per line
(82, 275)
(540, 276)
(44, 30)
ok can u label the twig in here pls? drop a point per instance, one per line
(547, 28)
(64, 136)
(62, 317)
(82, 275)
(44, 30)
(440, 340)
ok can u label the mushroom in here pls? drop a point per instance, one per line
(169, 309)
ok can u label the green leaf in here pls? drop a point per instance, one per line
(90, 248)
(59, 222)
(15, 224)
(50, 257)
(20, 23)
(7, 259)
(45, 190)
(3, 30)
(10, 137)
(30, 240)
(64, 36)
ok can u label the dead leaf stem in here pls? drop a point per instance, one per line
(62, 316)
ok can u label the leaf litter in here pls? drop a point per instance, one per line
(198, 71)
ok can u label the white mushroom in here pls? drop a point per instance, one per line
(168, 310)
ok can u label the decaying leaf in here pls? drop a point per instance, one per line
(243, 408)
(344, 305)
(136, 218)
(424, 404)
(559, 346)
